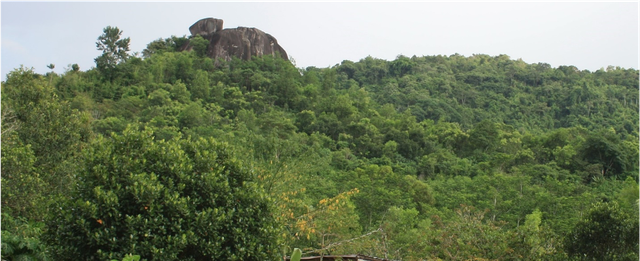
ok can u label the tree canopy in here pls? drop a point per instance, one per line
(175, 156)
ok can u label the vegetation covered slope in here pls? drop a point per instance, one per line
(435, 157)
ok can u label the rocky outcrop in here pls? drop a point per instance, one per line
(206, 27)
(241, 42)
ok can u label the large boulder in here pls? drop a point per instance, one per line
(241, 42)
(206, 27)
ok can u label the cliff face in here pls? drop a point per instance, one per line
(241, 42)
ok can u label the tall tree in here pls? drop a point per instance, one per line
(114, 50)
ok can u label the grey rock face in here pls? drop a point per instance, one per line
(241, 42)
(206, 26)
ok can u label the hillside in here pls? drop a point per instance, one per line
(434, 157)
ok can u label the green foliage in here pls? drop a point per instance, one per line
(44, 121)
(605, 233)
(171, 44)
(129, 258)
(114, 50)
(406, 234)
(629, 196)
(21, 239)
(199, 45)
(604, 151)
(22, 185)
(470, 236)
(108, 125)
(538, 242)
(454, 157)
(41, 138)
(169, 200)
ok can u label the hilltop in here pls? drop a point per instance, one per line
(177, 156)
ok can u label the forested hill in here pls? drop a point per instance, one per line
(530, 97)
(169, 157)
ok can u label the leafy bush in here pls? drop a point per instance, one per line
(20, 239)
(163, 200)
(606, 233)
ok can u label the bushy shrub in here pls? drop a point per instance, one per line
(21, 239)
(162, 200)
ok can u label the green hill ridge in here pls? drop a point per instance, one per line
(175, 156)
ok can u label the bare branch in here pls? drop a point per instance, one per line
(9, 124)
(332, 245)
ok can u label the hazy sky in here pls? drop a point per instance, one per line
(588, 35)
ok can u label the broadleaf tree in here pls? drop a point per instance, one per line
(163, 200)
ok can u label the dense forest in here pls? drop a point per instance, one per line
(166, 156)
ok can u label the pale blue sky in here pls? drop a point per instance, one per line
(588, 35)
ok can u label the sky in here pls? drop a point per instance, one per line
(588, 35)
